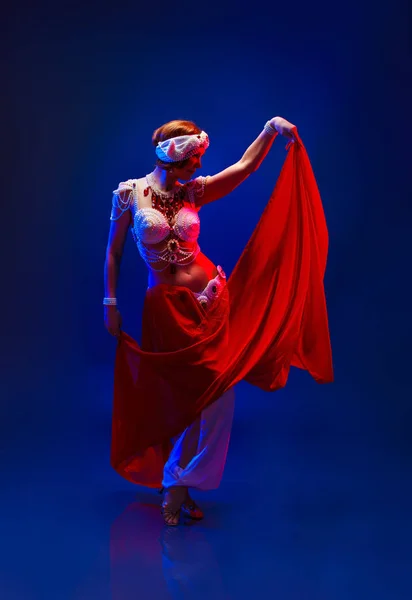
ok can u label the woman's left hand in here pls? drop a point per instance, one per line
(283, 127)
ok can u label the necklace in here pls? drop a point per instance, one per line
(168, 205)
(151, 182)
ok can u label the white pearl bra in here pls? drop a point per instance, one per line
(150, 226)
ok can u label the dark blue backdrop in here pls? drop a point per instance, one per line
(84, 86)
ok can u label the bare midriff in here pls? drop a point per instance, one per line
(194, 276)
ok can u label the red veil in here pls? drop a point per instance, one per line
(271, 316)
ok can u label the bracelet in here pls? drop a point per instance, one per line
(110, 301)
(269, 128)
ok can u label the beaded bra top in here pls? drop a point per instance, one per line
(153, 226)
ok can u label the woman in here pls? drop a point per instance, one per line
(181, 378)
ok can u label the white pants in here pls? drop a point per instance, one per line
(205, 469)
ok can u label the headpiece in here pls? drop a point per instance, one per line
(181, 147)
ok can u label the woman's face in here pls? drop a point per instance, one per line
(192, 164)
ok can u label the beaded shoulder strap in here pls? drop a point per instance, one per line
(123, 198)
(135, 195)
(191, 195)
(196, 188)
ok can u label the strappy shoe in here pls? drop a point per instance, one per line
(171, 516)
(171, 508)
(191, 510)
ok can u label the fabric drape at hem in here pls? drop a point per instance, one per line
(271, 315)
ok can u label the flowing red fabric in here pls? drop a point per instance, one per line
(271, 316)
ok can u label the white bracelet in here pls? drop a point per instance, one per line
(110, 301)
(269, 128)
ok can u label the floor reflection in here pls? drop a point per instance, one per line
(150, 560)
(190, 567)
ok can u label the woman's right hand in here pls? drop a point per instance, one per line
(112, 320)
(283, 127)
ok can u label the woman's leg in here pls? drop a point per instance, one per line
(189, 450)
(198, 457)
(175, 496)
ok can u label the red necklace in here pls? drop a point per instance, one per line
(169, 206)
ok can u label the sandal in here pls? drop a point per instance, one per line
(171, 507)
(191, 509)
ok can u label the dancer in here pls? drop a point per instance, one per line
(174, 398)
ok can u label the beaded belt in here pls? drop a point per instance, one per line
(212, 290)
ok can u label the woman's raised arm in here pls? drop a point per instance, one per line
(223, 183)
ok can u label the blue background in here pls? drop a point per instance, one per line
(316, 495)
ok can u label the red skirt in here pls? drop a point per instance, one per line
(271, 315)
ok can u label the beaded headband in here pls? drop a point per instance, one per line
(181, 147)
